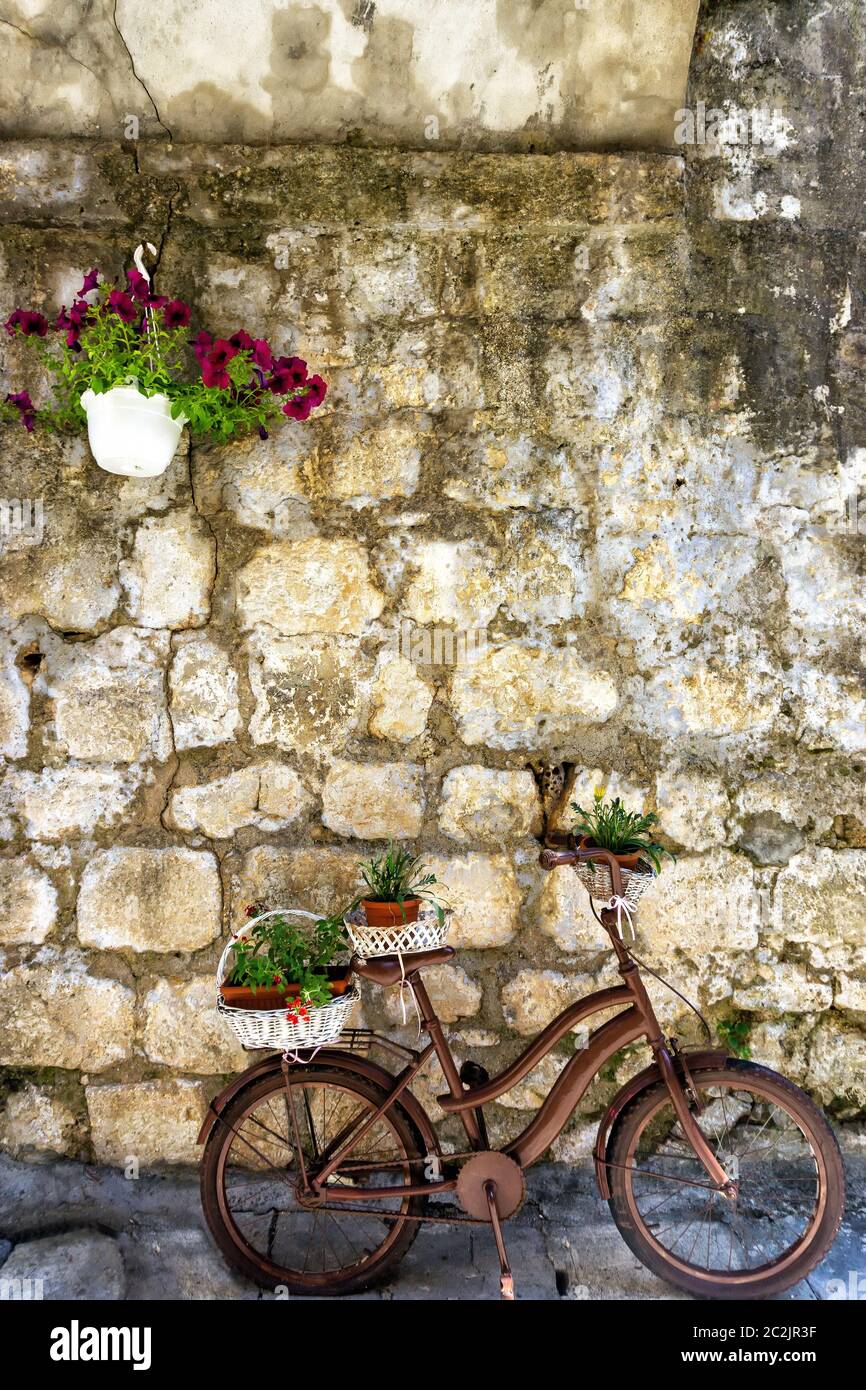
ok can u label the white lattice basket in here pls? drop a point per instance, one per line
(594, 874)
(271, 1027)
(424, 934)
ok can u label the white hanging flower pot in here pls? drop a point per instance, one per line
(129, 433)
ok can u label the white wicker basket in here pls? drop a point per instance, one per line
(270, 1027)
(424, 934)
(594, 874)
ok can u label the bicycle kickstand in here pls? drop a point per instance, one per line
(506, 1278)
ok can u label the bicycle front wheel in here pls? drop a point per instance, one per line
(770, 1137)
(250, 1184)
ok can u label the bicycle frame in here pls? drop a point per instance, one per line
(638, 1020)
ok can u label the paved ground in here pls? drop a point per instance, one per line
(90, 1233)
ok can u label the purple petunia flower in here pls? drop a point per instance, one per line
(73, 321)
(176, 314)
(201, 346)
(30, 323)
(262, 355)
(289, 373)
(213, 374)
(221, 353)
(317, 389)
(34, 325)
(22, 402)
(139, 286)
(298, 409)
(125, 307)
(91, 280)
(241, 340)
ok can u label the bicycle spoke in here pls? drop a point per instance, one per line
(775, 1170)
(282, 1227)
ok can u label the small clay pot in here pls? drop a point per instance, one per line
(391, 914)
(243, 997)
(625, 861)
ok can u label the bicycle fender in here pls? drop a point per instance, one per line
(695, 1060)
(339, 1060)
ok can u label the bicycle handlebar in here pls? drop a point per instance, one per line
(555, 858)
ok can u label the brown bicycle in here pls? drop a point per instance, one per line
(723, 1178)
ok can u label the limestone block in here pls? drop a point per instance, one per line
(373, 801)
(150, 900)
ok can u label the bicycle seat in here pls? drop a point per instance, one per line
(386, 970)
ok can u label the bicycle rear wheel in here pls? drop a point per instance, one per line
(249, 1184)
(770, 1137)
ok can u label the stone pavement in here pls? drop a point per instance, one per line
(92, 1234)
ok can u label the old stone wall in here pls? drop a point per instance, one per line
(604, 410)
(497, 74)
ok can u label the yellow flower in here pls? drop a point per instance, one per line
(599, 793)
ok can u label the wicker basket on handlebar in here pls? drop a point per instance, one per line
(594, 874)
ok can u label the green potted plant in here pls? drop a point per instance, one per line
(278, 963)
(123, 362)
(627, 835)
(389, 916)
(283, 988)
(397, 885)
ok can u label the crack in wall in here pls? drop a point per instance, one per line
(136, 74)
(48, 42)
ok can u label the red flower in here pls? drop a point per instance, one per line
(298, 409)
(73, 321)
(289, 373)
(176, 314)
(91, 280)
(212, 375)
(139, 286)
(123, 305)
(318, 389)
(221, 353)
(202, 345)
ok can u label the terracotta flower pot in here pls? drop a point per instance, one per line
(243, 996)
(625, 861)
(391, 914)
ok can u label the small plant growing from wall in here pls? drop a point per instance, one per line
(734, 1033)
(123, 362)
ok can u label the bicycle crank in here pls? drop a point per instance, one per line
(491, 1188)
